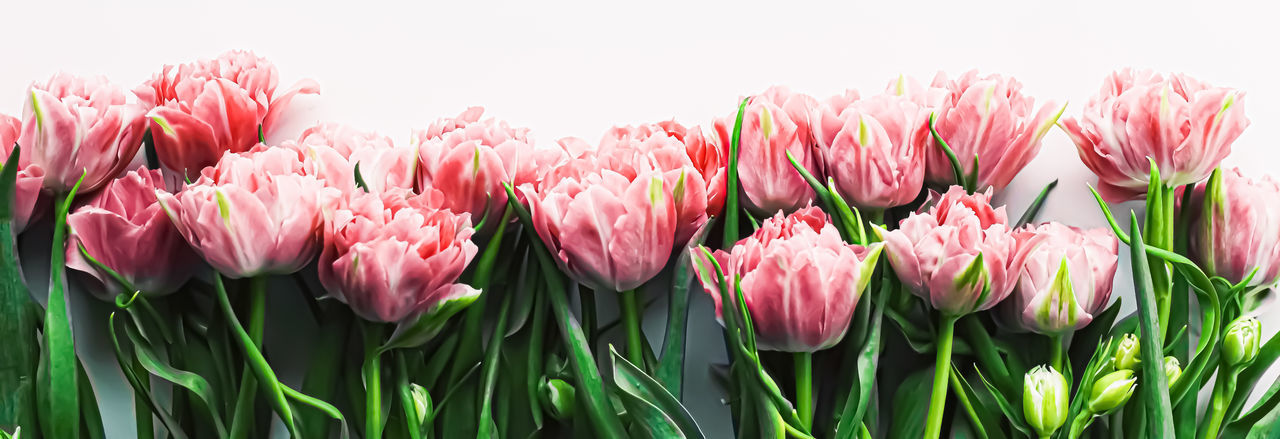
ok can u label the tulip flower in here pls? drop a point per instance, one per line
(1044, 399)
(800, 281)
(253, 213)
(987, 118)
(1111, 391)
(1240, 341)
(709, 154)
(30, 176)
(873, 148)
(468, 160)
(1172, 370)
(1184, 126)
(1128, 354)
(1236, 231)
(1065, 281)
(343, 138)
(394, 255)
(200, 110)
(333, 152)
(124, 228)
(76, 126)
(776, 122)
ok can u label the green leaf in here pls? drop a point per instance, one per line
(323, 407)
(670, 370)
(1085, 341)
(909, 405)
(256, 362)
(140, 392)
(655, 409)
(90, 415)
(417, 332)
(59, 344)
(957, 171)
(731, 179)
(1159, 409)
(868, 358)
(1012, 409)
(190, 381)
(18, 326)
(360, 178)
(1030, 214)
(489, 379)
(1249, 377)
(325, 366)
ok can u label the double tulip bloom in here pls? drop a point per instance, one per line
(124, 228)
(254, 213)
(987, 117)
(334, 151)
(1185, 126)
(960, 256)
(200, 110)
(799, 280)
(30, 177)
(394, 255)
(1065, 281)
(75, 127)
(775, 122)
(1237, 231)
(873, 148)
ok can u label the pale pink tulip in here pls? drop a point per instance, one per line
(632, 150)
(80, 126)
(124, 228)
(200, 110)
(1237, 233)
(776, 122)
(1066, 280)
(1185, 126)
(960, 256)
(799, 280)
(335, 150)
(394, 255)
(468, 159)
(253, 213)
(986, 117)
(30, 176)
(605, 230)
(873, 148)
(343, 138)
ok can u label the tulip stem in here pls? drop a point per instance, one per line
(1223, 389)
(804, 388)
(941, 373)
(372, 372)
(142, 414)
(1080, 423)
(1055, 351)
(631, 318)
(243, 420)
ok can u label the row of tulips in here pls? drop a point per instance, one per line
(439, 272)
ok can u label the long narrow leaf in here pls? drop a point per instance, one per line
(731, 179)
(1159, 410)
(1034, 209)
(190, 381)
(18, 326)
(655, 407)
(256, 362)
(59, 344)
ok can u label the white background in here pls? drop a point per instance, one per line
(577, 68)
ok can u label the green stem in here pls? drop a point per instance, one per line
(804, 388)
(1223, 389)
(631, 319)
(941, 372)
(587, 301)
(1081, 422)
(1055, 351)
(372, 372)
(242, 422)
(141, 412)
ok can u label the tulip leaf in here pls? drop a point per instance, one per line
(1085, 341)
(1012, 409)
(90, 414)
(140, 392)
(909, 409)
(256, 362)
(18, 326)
(359, 178)
(190, 381)
(417, 332)
(655, 409)
(731, 207)
(1159, 408)
(535, 355)
(1249, 377)
(489, 377)
(988, 355)
(826, 199)
(670, 369)
(1034, 209)
(868, 359)
(325, 365)
(984, 423)
(321, 406)
(957, 171)
(589, 383)
(59, 343)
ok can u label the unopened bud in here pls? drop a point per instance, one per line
(1172, 370)
(1240, 344)
(1128, 355)
(1111, 391)
(1044, 399)
(558, 396)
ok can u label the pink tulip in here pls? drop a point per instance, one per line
(124, 228)
(80, 126)
(335, 150)
(468, 159)
(203, 109)
(605, 230)
(343, 138)
(253, 213)
(1184, 125)
(873, 148)
(394, 255)
(799, 280)
(30, 176)
(961, 255)
(987, 117)
(1236, 233)
(1066, 280)
(776, 122)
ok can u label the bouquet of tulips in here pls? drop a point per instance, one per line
(452, 285)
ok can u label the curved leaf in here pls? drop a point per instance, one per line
(654, 408)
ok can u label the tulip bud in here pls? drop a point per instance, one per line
(558, 396)
(1112, 391)
(421, 402)
(1044, 399)
(1172, 370)
(1240, 344)
(1127, 354)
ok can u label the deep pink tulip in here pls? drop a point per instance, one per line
(334, 150)
(960, 256)
(30, 176)
(394, 255)
(1066, 280)
(80, 126)
(800, 281)
(253, 213)
(203, 109)
(605, 230)
(1237, 232)
(873, 148)
(124, 228)
(775, 122)
(468, 159)
(1184, 125)
(983, 116)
